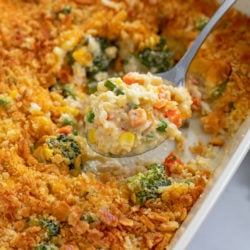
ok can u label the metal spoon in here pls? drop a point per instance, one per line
(177, 75)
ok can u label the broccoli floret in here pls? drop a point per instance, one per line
(91, 86)
(52, 229)
(146, 185)
(66, 10)
(5, 101)
(101, 63)
(201, 23)
(64, 89)
(67, 146)
(46, 246)
(69, 90)
(104, 43)
(69, 58)
(158, 59)
(68, 122)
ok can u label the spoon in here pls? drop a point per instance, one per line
(177, 75)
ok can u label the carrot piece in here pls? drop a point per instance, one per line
(174, 116)
(131, 78)
(171, 161)
(65, 129)
(196, 105)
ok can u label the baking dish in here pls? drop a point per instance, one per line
(55, 192)
(234, 155)
(237, 148)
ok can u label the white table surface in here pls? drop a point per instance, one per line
(227, 227)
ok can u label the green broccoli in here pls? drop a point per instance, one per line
(69, 90)
(146, 185)
(66, 10)
(219, 90)
(201, 23)
(67, 146)
(158, 59)
(5, 101)
(46, 246)
(52, 229)
(69, 58)
(101, 63)
(64, 89)
(68, 122)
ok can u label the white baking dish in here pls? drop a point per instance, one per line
(237, 148)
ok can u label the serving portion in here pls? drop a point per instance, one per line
(66, 68)
(135, 113)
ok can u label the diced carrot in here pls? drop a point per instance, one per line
(132, 78)
(196, 105)
(171, 161)
(174, 116)
(137, 117)
(65, 129)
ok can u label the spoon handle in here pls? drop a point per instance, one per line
(178, 72)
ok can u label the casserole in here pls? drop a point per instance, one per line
(58, 194)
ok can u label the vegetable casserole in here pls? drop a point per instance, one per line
(56, 193)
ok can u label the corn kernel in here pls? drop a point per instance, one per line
(13, 94)
(69, 39)
(74, 112)
(127, 139)
(118, 81)
(69, 110)
(92, 136)
(78, 161)
(47, 153)
(150, 115)
(39, 154)
(77, 166)
(83, 57)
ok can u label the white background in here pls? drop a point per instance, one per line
(227, 227)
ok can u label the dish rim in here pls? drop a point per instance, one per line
(234, 155)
